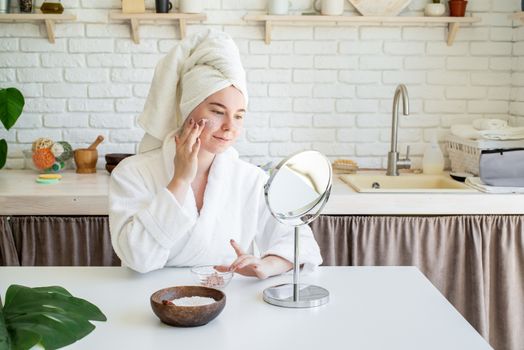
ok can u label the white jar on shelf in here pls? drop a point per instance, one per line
(434, 10)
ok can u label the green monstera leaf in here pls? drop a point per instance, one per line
(3, 154)
(4, 335)
(49, 316)
(11, 105)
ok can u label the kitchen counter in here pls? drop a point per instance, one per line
(75, 194)
(87, 195)
(370, 308)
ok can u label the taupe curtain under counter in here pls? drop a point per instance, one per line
(477, 262)
(8, 254)
(58, 241)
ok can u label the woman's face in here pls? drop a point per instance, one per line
(224, 111)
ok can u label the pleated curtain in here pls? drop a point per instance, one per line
(477, 262)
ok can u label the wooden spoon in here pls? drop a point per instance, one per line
(98, 140)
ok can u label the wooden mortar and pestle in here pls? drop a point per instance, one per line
(86, 158)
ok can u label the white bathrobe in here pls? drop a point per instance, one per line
(150, 229)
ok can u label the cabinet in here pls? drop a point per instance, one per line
(474, 260)
(56, 241)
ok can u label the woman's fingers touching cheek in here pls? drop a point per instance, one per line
(196, 148)
(186, 129)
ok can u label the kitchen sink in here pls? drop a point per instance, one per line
(374, 183)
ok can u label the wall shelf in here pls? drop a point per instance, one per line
(518, 16)
(453, 23)
(49, 19)
(135, 19)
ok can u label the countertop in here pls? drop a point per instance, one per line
(370, 308)
(87, 194)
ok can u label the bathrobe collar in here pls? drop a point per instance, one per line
(216, 188)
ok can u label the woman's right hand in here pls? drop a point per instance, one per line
(187, 147)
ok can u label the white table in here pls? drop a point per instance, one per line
(370, 308)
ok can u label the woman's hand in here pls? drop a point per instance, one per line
(186, 158)
(250, 265)
(187, 147)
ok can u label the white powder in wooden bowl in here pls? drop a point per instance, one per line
(193, 301)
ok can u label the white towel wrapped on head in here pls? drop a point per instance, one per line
(489, 124)
(196, 68)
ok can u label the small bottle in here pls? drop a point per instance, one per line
(53, 6)
(433, 160)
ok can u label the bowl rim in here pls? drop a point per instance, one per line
(117, 156)
(195, 268)
(216, 290)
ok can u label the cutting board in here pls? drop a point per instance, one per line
(381, 8)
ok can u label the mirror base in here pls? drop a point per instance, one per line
(310, 296)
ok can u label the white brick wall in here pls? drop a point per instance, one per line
(326, 87)
(516, 106)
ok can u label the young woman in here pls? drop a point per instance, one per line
(190, 200)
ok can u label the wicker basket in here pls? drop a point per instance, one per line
(464, 154)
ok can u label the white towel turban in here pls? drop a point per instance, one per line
(196, 68)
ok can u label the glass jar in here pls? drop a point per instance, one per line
(53, 6)
(26, 6)
(5, 5)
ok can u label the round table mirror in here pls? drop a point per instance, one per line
(295, 193)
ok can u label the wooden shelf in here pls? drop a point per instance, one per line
(452, 22)
(135, 19)
(49, 19)
(518, 16)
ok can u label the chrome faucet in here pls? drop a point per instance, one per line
(394, 163)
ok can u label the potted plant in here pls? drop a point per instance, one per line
(434, 9)
(11, 105)
(457, 8)
(47, 316)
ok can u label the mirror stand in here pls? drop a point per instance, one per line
(295, 193)
(296, 295)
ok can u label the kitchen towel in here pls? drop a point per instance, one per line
(476, 183)
(469, 132)
(489, 124)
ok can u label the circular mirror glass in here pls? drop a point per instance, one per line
(299, 185)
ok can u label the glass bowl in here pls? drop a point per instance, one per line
(207, 276)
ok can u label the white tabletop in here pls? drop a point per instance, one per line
(370, 308)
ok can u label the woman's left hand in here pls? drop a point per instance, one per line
(250, 265)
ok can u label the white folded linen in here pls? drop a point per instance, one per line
(509, 133)
(469, 132)
(476, 183)
(465, 131)
(489, 124)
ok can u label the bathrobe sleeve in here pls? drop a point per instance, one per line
(144, 225)
(275, 238)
